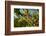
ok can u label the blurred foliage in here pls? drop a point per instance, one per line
(26, 20)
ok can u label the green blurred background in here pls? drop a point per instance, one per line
(26, 17)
